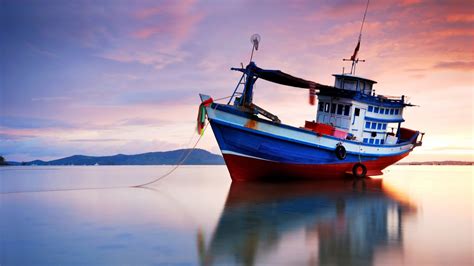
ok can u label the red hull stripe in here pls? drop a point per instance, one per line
(247, 169)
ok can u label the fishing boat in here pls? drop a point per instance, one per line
(355, 131)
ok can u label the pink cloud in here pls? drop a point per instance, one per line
(148, 12)
(177, 27)
(453, 32)
(145, 33)
(410, 2)
(171, 7)
(178, 17)
(457, 65)
(460, 18)
(159, 32)
(157, 59)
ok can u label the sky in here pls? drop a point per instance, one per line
(108, 77)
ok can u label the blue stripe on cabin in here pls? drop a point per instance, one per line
(384, 120)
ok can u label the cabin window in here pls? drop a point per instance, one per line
(371, 141)
(374, 125)
(339, 109)
(347, 109)
(377, 141)
(321, 106)
(376, 110)
(382, 111)
(392, 111)
(366, 140)
(370, 108)
(333, 108)
(326, 107)
(356, 112)
(386, 111)
(384, 126)
(381, 141)
(396, 111)
(367, 124)
(379, 126)
(350, 85)
(368, 88)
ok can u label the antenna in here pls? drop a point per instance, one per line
(254, 40)
(354, 57)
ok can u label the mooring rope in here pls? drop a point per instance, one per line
(185, 157)
(61, 189)
(177, 165)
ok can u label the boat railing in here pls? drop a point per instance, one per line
(419, 142)
(390, 97)
(383, 98)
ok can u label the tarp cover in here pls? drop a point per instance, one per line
(278, 76)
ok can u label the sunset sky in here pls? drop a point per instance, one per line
(108, 77)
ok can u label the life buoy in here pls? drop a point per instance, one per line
(359, 170)
(340, 152)
(201, 118)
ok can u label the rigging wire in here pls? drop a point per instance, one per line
(363, 19)
(354, 57)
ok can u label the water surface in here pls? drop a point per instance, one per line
(415, 215)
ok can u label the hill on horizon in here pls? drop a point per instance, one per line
(197, 157)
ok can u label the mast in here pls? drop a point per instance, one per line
(354, 57)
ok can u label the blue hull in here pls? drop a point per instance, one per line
(253, 143)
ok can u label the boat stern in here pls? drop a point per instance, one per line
(412, 136)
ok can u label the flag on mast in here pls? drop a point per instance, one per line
(356, 50)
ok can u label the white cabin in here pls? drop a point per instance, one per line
(354, 108)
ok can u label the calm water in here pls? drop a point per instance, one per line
(418, 215)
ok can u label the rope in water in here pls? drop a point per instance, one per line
(61, 189)
(180, 162)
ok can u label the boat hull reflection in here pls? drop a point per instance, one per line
(341, 222)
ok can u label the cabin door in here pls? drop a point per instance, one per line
(357, 125)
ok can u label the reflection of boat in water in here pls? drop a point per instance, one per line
(333, 222)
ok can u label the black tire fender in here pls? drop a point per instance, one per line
(359, 170)
(340, 152)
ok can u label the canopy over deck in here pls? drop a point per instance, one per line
(277, 76)
(253, 72)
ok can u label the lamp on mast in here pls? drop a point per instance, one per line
(254, 40)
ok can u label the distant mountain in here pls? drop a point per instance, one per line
(2, 161)
(197, 157)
